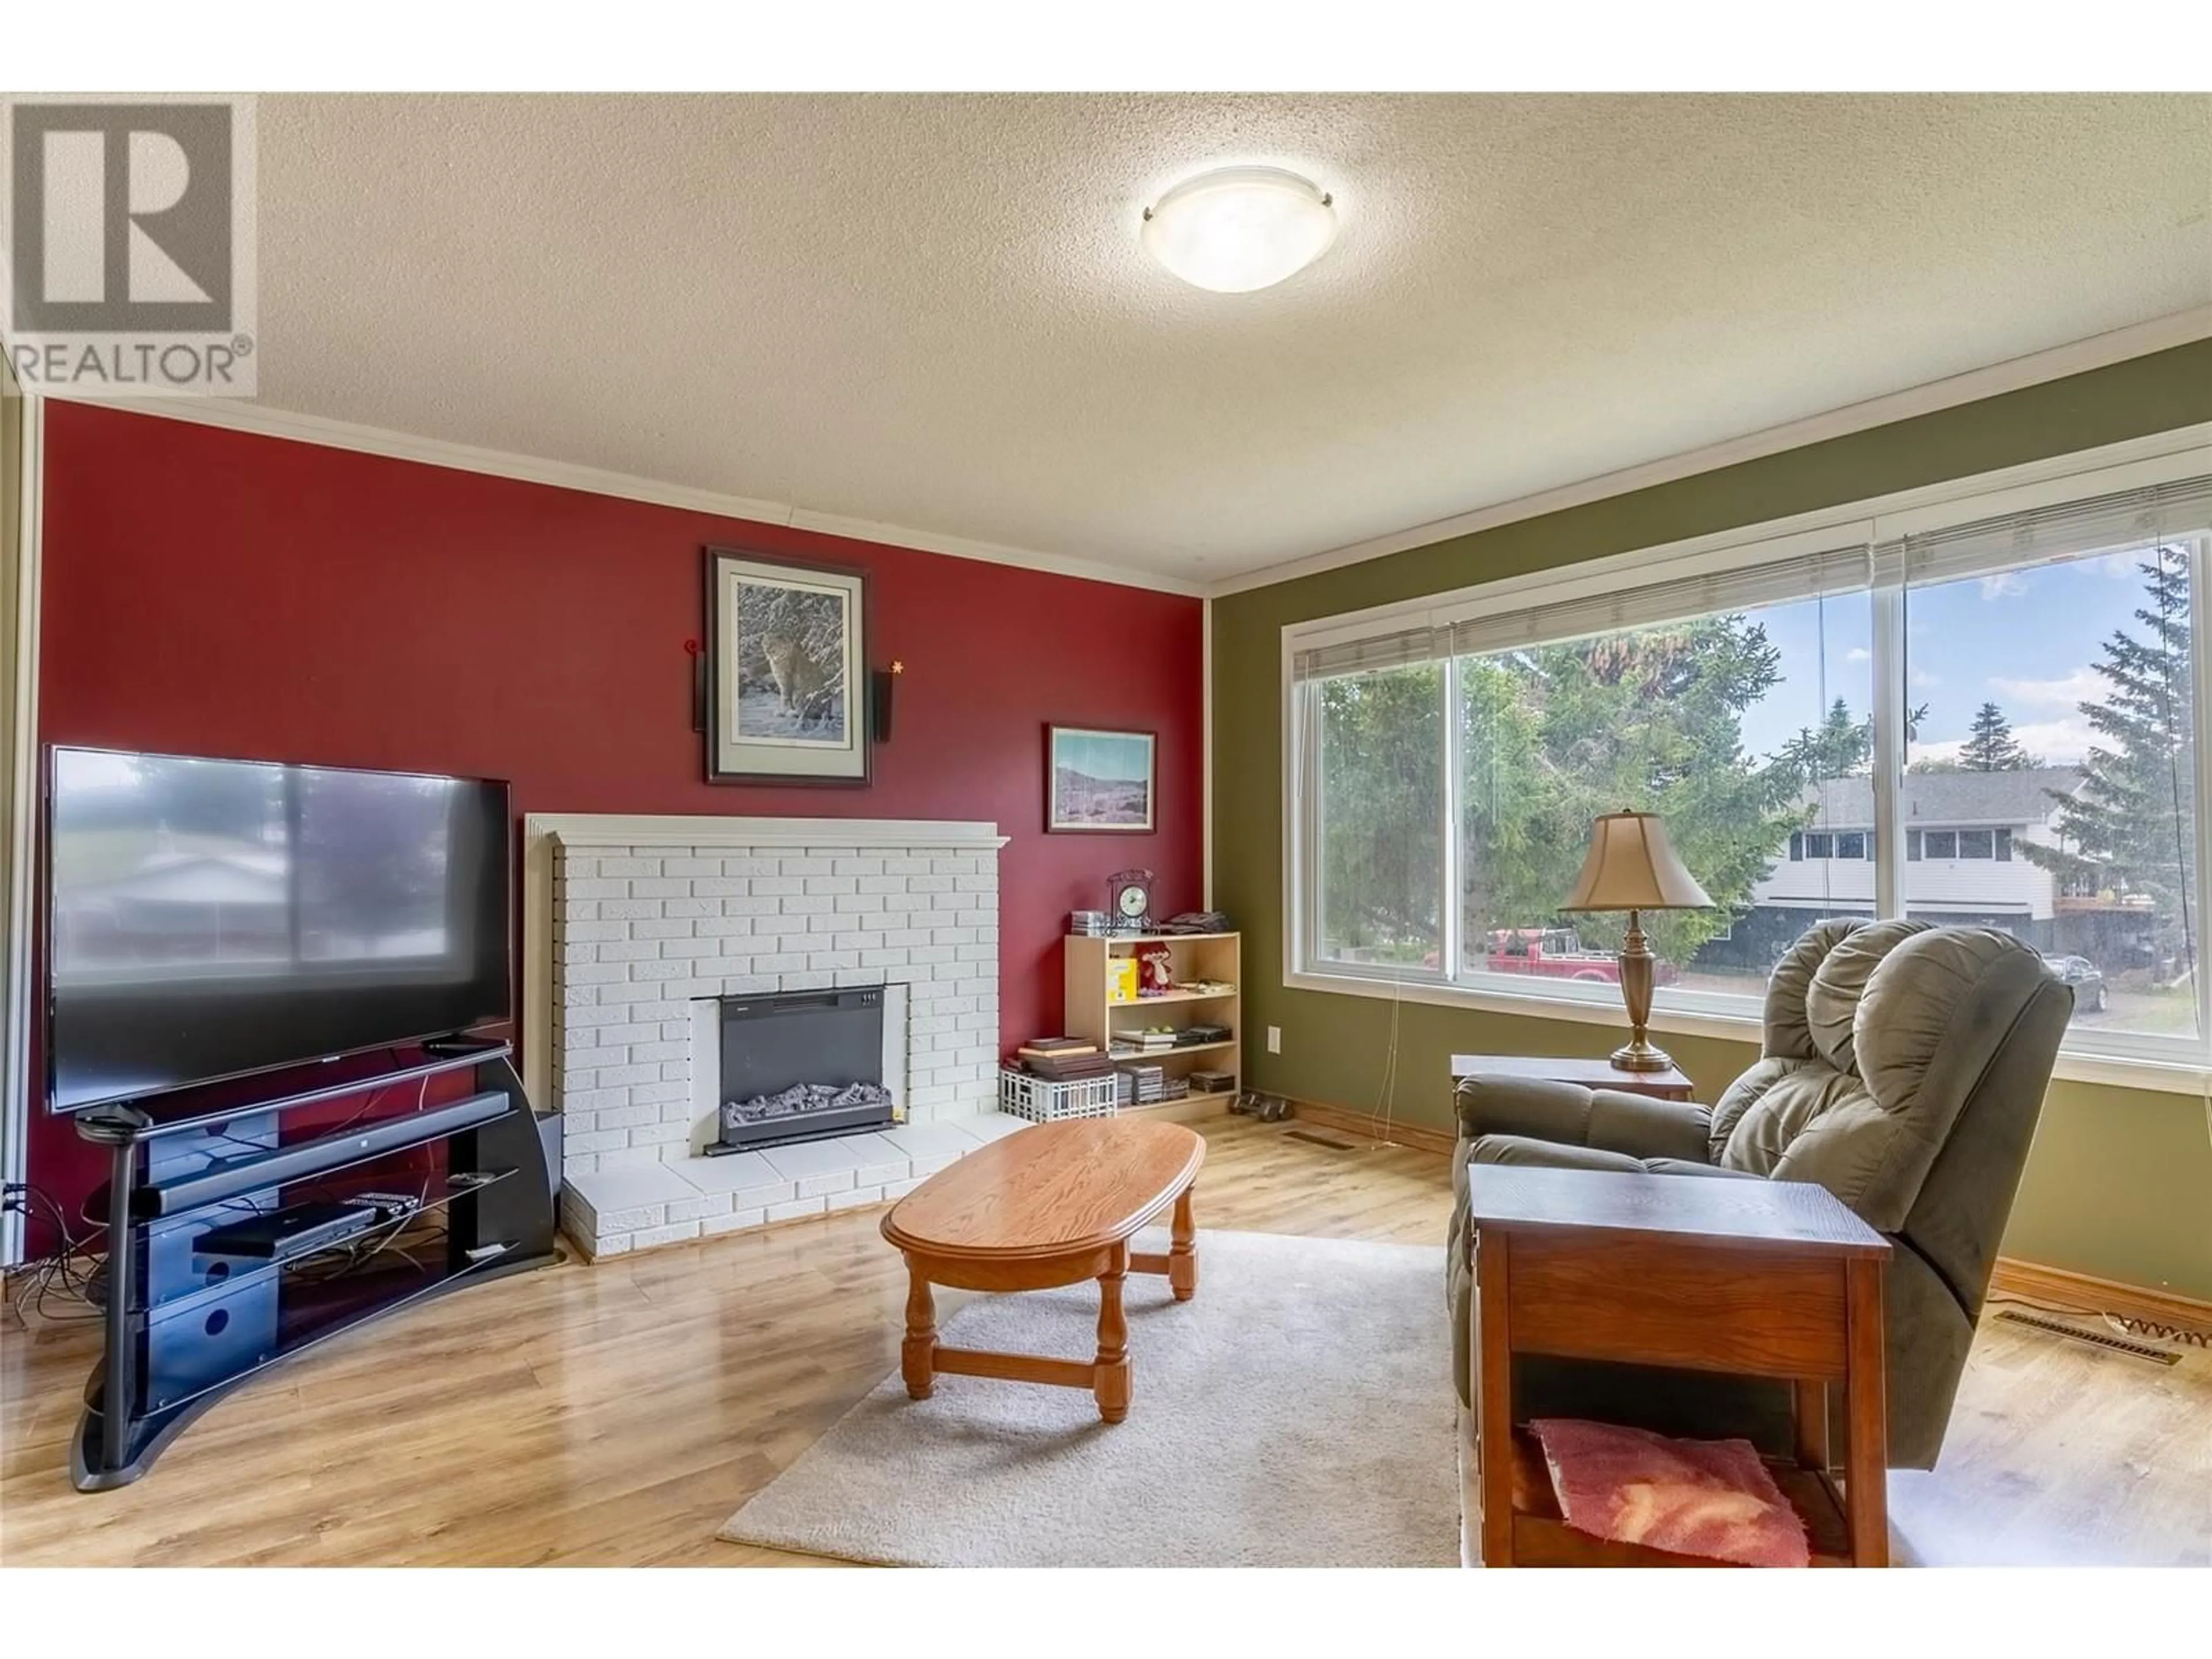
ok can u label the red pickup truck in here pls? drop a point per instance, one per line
(1555, 953)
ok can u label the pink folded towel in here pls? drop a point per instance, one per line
(1712, 1497)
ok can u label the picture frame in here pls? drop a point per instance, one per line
(787, 678)
(1100, 782)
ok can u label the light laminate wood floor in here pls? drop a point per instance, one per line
(618, 1413)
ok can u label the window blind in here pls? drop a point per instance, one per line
(1804, 576)
(1393, 650)
(2127, 518)
(2130, 518)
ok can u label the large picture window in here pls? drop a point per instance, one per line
(1991, 724)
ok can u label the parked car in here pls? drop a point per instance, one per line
(2084, 976)
(1556, 953)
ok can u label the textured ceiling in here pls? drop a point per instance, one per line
(933, 311)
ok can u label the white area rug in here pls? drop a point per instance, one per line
(1299, 1412)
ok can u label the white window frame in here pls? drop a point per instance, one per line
(2131, 1059)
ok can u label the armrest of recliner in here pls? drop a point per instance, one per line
(1566, 1114)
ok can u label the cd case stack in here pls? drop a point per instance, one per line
(1088, 923)
(1148, 1085)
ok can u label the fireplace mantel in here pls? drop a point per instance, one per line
(648, 829)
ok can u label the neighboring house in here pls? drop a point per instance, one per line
(1963, 862)
(178, 906)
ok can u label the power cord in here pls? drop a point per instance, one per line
(60, 1273)
(352, 1255)
(1386, 1097)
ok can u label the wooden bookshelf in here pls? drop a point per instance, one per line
(1197, 956)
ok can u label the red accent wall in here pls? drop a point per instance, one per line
(208, 592)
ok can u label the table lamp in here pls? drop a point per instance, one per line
(1631, 867)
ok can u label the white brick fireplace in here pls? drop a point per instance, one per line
(632, 926)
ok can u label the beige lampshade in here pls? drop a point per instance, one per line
(1631, 867)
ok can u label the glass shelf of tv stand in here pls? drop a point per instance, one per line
(98, 1202)
(300, 1329)
(218, 1291)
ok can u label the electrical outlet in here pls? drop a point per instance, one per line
(1274, 1039)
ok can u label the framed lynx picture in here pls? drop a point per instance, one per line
(787, 682)
(1098, 781)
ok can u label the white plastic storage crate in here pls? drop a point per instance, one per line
(1042, 1101)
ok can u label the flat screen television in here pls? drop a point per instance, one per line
(209, 918)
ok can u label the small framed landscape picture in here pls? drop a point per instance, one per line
(786, 691)
(1098, 781)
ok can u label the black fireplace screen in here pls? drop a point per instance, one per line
(802, 1066)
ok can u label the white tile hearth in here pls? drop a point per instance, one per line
(636, 1206)
(632, 925)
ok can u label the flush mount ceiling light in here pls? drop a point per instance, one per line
(1237, 229)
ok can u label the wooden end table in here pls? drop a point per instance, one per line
(1669, 1085)
(1052, 1205)
(1754, 1278)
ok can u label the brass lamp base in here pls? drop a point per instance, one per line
(1640, 1053)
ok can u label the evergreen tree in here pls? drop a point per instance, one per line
(1990, 745)
(1383, 802)
(1548, 738)
(2129, 826)
(1651, 718)
(1841, 748)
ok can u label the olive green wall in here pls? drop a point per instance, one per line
(2120, 1181)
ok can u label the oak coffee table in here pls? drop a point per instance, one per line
(1051, 1205)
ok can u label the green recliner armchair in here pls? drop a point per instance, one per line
(1903, 1069)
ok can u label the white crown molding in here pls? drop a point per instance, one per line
(711, 830)
(236, 417)
(2099, 352)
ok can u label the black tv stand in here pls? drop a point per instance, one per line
(185, 1324)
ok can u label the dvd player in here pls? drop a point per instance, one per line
(296, 1229)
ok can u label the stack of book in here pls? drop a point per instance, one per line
(1062, 1059)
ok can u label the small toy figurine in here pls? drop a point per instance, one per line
(1158, 971)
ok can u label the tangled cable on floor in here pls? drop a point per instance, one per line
(67, 1275)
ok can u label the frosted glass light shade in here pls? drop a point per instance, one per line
(1240, 228)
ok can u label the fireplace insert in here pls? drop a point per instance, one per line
(802, 1066)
